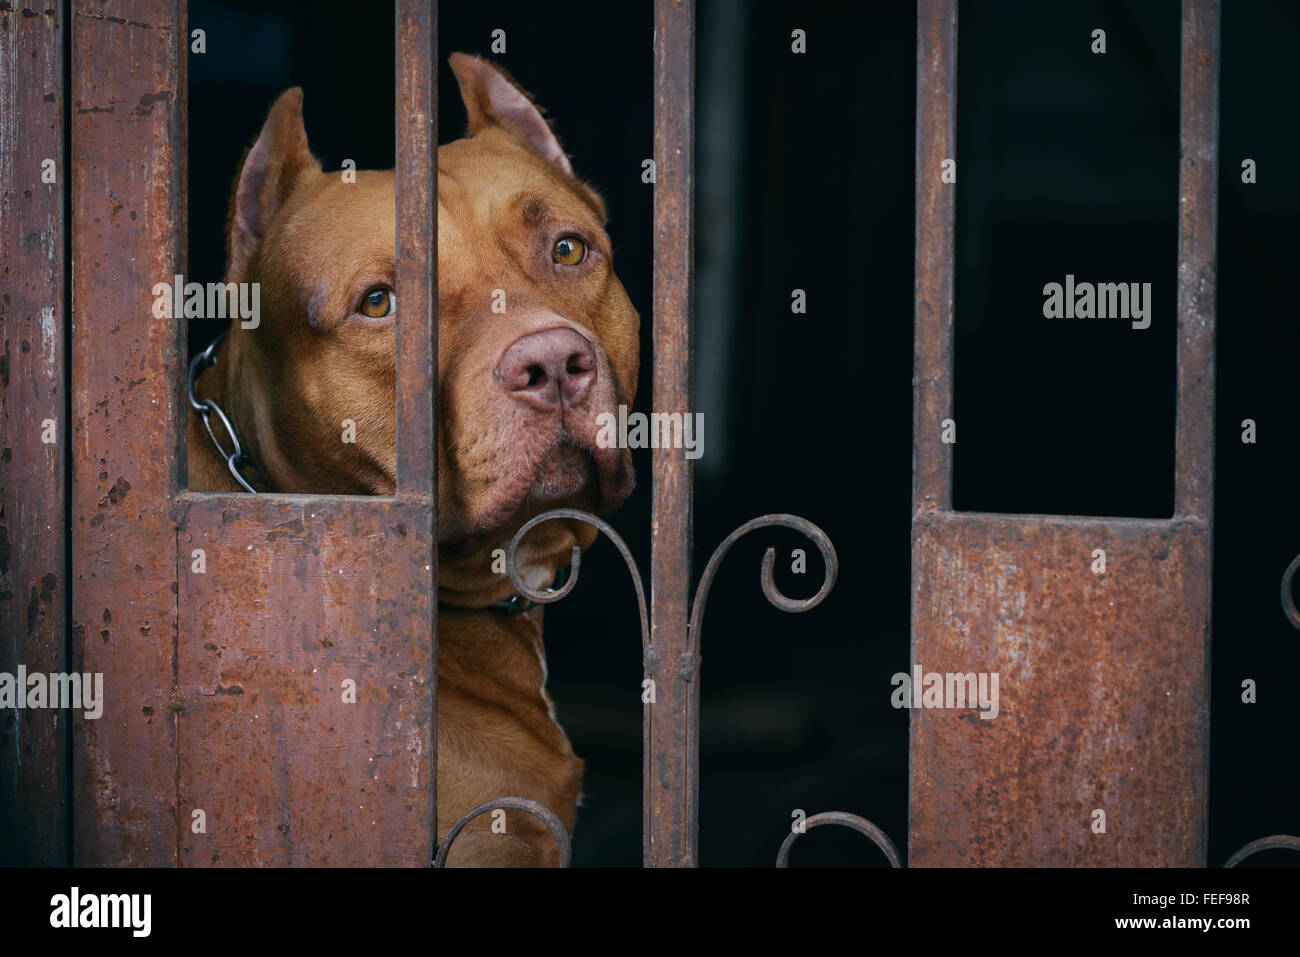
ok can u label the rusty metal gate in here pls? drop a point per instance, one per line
(1014, 594)
(232, 713)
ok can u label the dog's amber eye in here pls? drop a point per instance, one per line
(569, 251)
(378, 302)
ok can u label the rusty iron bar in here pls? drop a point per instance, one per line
(842, 819)
(936, 141)
(671, 762)
(417, 245)
(417, 279)
(1275, 842)
(128, 101)
(33, 585)
(1106, 676)
(1198, 207)
(535, 808)
(1288, 602)
(1198, 225)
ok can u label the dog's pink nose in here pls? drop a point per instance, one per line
(547, 368)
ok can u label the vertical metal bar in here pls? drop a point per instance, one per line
(672, 722)
(417, 335)
(128, 188)
(1198, 178)
(33, 430)
(936, 141)
(1198, 215)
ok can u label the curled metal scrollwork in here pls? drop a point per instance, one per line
(819, 538)
(843, 819)
(1288, 603)
(545, 597)
(772, 593)
(536, 809)
(1275, 842)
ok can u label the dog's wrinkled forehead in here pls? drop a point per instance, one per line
(501, 210)
(333, 241)
(489, 181)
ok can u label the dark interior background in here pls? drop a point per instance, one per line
(1067, 163)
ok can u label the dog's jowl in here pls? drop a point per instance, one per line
(536, 341)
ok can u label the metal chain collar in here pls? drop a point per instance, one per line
(237, 457)
(206, 407)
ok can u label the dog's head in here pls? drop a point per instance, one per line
(536, 335)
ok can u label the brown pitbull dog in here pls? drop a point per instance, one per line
(519, 395)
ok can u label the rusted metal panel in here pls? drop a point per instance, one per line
(1103, 675)
(670, 773)
(417, 335)
(128, 149)
(1103, 691)
(304, 681)
(33, 589)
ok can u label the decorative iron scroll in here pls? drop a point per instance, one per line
(794, 605)
(772, 593)
(535, 808)
(547, 596)
(819, 537)
(843, 819)
(1288, 603)
(1277, 842)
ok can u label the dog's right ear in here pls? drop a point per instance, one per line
(492, 98)
(270, 169)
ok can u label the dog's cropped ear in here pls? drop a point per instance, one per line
(492, 98)
(267, 177)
